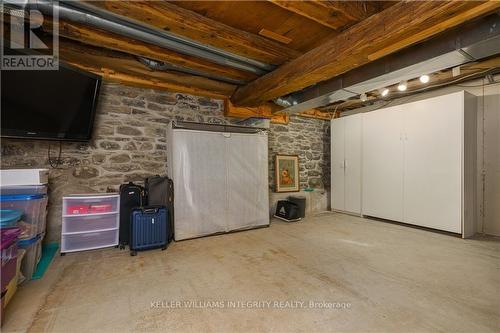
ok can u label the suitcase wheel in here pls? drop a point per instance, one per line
(122, 246)
(164, 248)
(133, 253)
(63, 254)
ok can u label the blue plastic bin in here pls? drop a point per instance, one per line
(23, 189)
(33, 247)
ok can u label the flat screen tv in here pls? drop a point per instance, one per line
(49, 104)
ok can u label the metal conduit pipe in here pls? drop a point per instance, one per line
(164, 66)
(470, 42)
(89, 15)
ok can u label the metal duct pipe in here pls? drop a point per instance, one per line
(164, 66)
(90, 15)
(282, 102)
(471, 42)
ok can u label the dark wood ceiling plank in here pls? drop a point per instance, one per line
(169, 17)
(253, 16)
(333, 14)
(393, 29)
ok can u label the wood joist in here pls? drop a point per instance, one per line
(393, 29)
(124, 68)
(96, 37)
(270, 111)
(169, 17)
(376, 35)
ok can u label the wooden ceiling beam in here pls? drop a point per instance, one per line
(393, 29)
(267, 110)
(123, 68)
(100, 38)
(332, 14)
(270, 111)
(169, 17)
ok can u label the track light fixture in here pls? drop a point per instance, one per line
(384, 92)
(363, 97)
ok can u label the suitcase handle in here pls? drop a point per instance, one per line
(150, 210)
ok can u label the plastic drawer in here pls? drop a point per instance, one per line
(89, 241)
(90, 223)
(90, 205)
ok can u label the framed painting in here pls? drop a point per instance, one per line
(287, 173)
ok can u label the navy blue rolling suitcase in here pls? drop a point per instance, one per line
(149, 228)
(131, 196)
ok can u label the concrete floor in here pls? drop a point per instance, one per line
(387, 278)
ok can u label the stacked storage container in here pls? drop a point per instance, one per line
(9, 260)
(23, 211)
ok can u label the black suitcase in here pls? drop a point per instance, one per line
(287, 211)
(160, 192)
(131, 196)
(149, 228)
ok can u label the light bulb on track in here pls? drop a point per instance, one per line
(402, 86)
(384, 92)
(424, 78)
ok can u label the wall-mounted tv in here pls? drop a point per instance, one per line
(49, 104)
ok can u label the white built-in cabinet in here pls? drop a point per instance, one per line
(346, 164)
(418, 163)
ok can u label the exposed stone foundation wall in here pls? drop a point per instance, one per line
(129, 144)
(309, 139)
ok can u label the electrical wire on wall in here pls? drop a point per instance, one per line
(57, 163)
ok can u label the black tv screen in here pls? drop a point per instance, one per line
(49, 104)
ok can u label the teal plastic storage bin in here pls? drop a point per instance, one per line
(33, 207)
(9, 217)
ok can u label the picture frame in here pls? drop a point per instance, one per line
(287, 177)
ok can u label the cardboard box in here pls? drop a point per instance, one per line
(18, 177)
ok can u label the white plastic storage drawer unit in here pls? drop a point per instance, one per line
(90, 222)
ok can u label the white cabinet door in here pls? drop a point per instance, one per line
(433, 162)
(383, 164)
(337, 166)
(199, 174)
(247, 181)
(352, 149)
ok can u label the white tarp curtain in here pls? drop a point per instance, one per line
(220, 181)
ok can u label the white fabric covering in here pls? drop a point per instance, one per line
(220, 181)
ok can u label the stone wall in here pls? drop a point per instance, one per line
(309, 139)
(129, 144)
